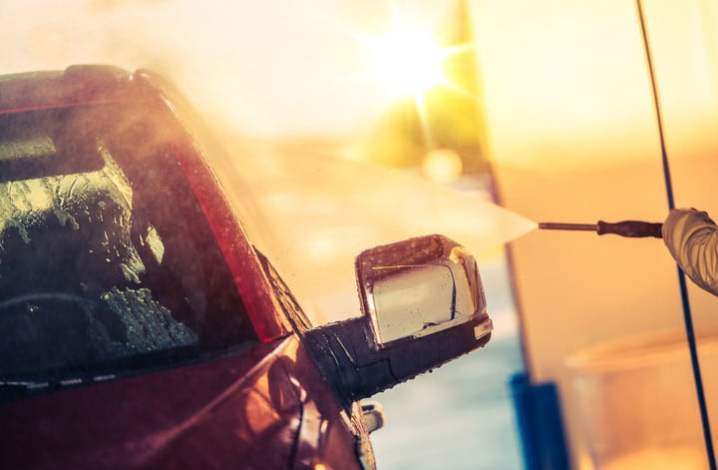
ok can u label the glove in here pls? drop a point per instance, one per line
(691, 237)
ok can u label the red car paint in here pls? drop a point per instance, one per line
(259, 409)
(265, 406)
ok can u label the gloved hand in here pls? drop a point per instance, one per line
(692, 239)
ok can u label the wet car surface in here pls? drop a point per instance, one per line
(140, 327)
(143, 329)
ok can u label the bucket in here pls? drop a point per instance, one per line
(633, 403)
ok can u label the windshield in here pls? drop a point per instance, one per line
(105, 255)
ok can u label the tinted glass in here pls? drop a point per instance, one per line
(105, 255)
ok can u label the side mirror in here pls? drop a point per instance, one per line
(418, 287)
(423, 305)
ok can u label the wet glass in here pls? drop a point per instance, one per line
(106, 258)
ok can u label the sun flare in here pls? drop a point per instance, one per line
(407, 60)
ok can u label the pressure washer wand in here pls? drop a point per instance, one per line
(625, 228)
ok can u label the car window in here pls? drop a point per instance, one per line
(105, 255)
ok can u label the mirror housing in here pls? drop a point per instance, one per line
(423, 305)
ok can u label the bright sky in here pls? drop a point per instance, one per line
(278, 67)
(274, 66)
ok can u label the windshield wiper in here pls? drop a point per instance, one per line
(16, 387)
(13, 389)
(139, 362)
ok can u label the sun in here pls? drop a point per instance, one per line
(407, 60)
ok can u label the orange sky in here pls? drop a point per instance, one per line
(273, 67)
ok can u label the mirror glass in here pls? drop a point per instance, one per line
(418, 287)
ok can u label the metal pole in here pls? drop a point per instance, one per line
(687, 317)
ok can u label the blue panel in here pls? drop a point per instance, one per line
(538, 416)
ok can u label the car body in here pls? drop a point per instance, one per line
(141, 327)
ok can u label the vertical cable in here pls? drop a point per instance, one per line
(687, 317)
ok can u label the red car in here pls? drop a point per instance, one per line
(142, 329)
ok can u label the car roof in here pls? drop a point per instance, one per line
(78, 84)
